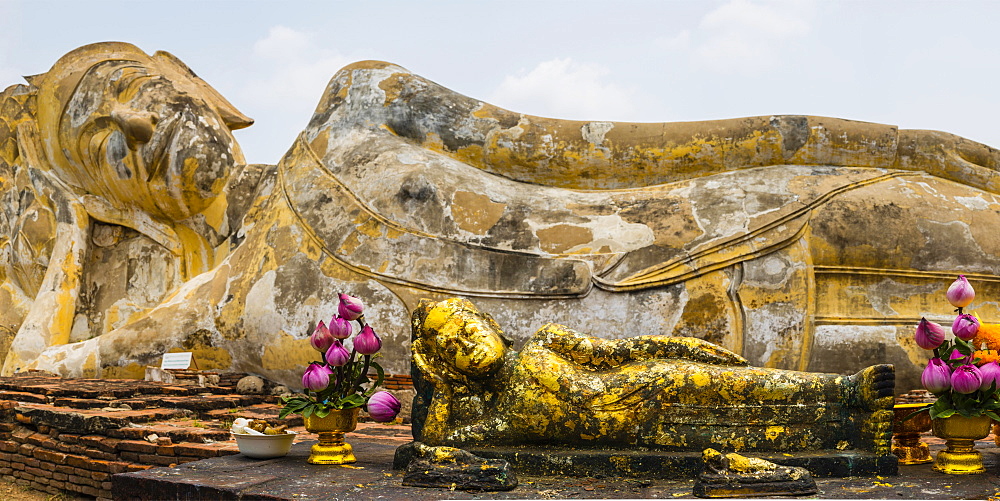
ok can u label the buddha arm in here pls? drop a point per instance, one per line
(606, 353)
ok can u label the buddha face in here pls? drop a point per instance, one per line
(467, 340)
(147, 133)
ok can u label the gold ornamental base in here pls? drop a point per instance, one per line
(331, 448)
(906, 432)
(960, 434)
(959, 462)
(912, 454)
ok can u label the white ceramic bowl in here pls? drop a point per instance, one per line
(264, 446)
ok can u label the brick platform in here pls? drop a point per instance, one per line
(70, 435)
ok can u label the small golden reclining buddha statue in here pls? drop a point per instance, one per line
(659, 392)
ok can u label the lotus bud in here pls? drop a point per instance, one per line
(966, 379)
(965, 327)
(990, 372)
(957, 356)
(316, 377)
(936, 377)
(929, 335)
(367, 342)
(960, 293)
(337, 355)
(340, 328)
(321, 338)
(350, 307)
(383, 406)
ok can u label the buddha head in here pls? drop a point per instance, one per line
(140, 131)
(453, 338)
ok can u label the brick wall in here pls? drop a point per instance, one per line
(70, 435)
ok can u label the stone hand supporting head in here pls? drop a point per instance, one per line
(137, 130)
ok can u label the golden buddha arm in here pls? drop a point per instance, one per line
(606, 353)
(439, 410)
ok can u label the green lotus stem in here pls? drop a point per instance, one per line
(364, 371)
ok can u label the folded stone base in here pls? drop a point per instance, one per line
(545, 461)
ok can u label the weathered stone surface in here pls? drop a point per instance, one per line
(453, 468)
(250, 385)
(127, 233)
(735, 476)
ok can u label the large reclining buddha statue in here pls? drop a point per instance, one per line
(786, 239)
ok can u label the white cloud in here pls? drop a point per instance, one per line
(280, 42)
(290, 72)
(745, 37)
(296, 70)
(563, 88)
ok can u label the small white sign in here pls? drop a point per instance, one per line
(176, 360)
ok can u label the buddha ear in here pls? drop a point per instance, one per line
(136, 125)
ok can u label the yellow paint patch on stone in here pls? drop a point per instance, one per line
(319, 143)
(90, 369)
(287, 351)
(215, 213)
(130, 371)
(206, 357)
(773, 432)
(475, 213)
(699, 379)
(562, 237)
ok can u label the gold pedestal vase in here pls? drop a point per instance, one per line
(906, 434)
(960, 434)
(331, 448)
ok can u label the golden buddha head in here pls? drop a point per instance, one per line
(138, 130)
(456, 338)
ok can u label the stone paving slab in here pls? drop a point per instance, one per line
(372, 477)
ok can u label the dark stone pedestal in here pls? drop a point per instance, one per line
(675, 465)
(372, 477)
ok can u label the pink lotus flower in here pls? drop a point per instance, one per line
(367, 342)
(957, 355)
(960, 293)
(337, 355)
(383, 406)
(936, 377)
(966, 379)
(321, 338)
(350, 307)
(991, 375)
(316, 377)
(929, 335)
(340, 328)
(965, 327)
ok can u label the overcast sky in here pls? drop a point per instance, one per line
(915, 64)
